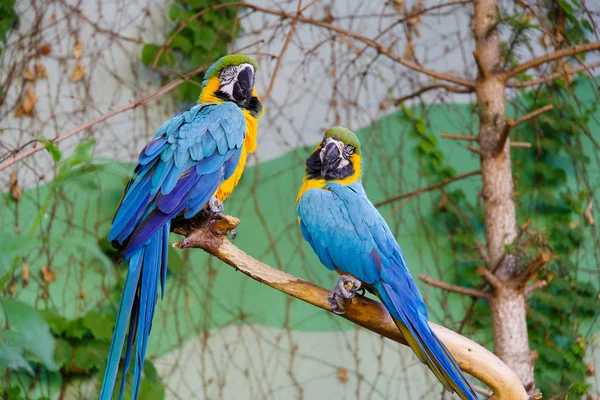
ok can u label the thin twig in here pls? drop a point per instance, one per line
(566, 52)
(475, 150)
(553, 76)
(424, 89)
(458, 137)
(15, 158)
(283, 50)
(535, 286)
(454, 288)
(489, 277)
(533, 267)
(427, 188)
(520, 144)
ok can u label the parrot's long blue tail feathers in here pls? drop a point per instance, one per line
(423, 341)
(147, 268)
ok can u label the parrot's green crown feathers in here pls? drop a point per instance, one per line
(227, 61)
(344, 135)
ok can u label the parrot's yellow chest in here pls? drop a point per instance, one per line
(248, 147)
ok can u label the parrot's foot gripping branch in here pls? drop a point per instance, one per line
(345, 289)
(215, 211)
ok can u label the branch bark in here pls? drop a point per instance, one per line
(471, 357)
(569, 51)
(508, 303)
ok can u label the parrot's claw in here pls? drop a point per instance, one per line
(215, 207)
(346, 288)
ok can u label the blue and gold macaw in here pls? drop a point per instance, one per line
(350, 236)
(193, 163)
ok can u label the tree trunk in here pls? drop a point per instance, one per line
(508, 303)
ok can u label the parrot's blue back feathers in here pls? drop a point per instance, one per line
(178, 171)
(348, 234)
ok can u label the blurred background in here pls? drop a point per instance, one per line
(101, 76)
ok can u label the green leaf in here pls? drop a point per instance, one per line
(149, 53)
(75, 329)
(99, 325)
(82, 153)
(52, 149)
(29, 331)
(91, 356)
(57, 323)
(182, 43)
(62, 352)
(12, 358)
(174, 12)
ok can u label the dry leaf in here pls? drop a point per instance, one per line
(25, 275)
(590, 369)
(78, 49)
(15, 189)
(78, 73)
(342, 374)
(52, 19)
(399, 5)
(46, 294)
(83, 295)
(12, 288)
(409, 51)
(28, 75)
(45, 49)
(40, 71)
(47, 274)
(28, 105)
(588, 214)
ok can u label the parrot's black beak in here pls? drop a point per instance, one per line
(330, 160)
(242, 89)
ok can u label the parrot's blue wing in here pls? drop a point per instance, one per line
(348, 234)
(178, 172)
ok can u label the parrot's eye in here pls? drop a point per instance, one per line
(348, 151)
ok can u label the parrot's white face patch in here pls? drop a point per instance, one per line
(229, 77)
(341, 148)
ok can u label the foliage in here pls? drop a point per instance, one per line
(557, 313)
(8, 20)
(203, 40)
(76, 348)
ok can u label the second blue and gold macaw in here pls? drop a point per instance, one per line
(350, 236)
(193, 163)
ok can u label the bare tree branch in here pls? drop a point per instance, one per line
(552, 77)
(533, 268)
(535, 286)
(370, 42)
(454, 288)
(569, 51)
(510, 124)
(427, 188)
(16, 156)
(425, 89)
(471, 357)
(458, 137)
(489, 277)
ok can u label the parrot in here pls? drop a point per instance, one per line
(192, 165)
(350, 236)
